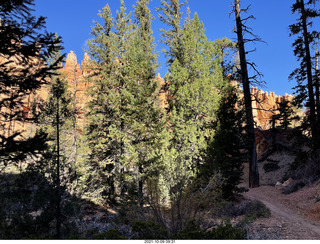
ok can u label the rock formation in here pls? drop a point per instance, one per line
(78, 84)
(15, 102)
(264, 104)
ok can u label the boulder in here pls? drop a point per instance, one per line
(288, 182)
(278, 186)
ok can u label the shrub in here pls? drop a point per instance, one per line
(228, 232)
(269, 167)
(225, 231)
(112, 234)
(251, 209)
(257, 210)
(148, 230)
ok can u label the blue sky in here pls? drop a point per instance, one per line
(72, 19)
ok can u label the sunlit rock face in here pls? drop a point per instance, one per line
(16, 103)
(76, 75)
(264, 104)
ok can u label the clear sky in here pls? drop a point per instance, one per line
(72, 19)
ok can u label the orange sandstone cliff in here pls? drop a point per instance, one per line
(264, 104)
(78, 84)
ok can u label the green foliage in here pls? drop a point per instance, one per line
(172, 16)
(286, 114)
(192, 79)
(224, 150)
(224, 231)
(269, 167)
(125, 124)
(255, 210)
(306, 82)
(27, 207)
(25, 44)
(112, 234)
(148, 230)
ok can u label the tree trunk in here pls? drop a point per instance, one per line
(253, 163)
(140, 187)
(309, 75)
(74, 139)
(58, 183)
(317, 85)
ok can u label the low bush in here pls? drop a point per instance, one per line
(257, 210)
(225, 231)
(148, 230)
(112, 234)
(272, 166)
(251, 210)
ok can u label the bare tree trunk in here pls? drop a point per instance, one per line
(253, 162)
(309, 75)
(317, 80)
(140, 187)
(74, 125)
(58, 183)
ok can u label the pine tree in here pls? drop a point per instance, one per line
(193, 78)
(103, 115)
(56, 120)
(302, 51)
(317, 82)
(24, 47)
(124, 121)
(145, 115)
(224, 150)
(172, 38)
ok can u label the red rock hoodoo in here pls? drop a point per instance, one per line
(264, 104)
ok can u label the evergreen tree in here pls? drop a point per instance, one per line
(57, 120)
(145, 114)
(172, 16)
(124, 121)
(224, 150)
(104, 107)
(304, 72)
(193, 78)
(24, 47)
(317, 82)
(286, 114)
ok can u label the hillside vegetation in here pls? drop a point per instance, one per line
(110, 150)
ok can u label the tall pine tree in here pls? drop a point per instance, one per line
(144, 116)
(24, 47)
(194, 78)
(124, 121)
(304, 72)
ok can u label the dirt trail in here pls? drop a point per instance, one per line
(289, 219)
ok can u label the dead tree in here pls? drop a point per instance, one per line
(251, 140)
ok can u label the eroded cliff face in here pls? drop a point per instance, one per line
(78, 84)
(16, 103)
(264, 104)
